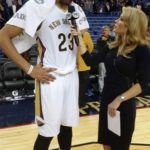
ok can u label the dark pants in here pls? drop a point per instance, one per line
(64, 140)
(83, 86)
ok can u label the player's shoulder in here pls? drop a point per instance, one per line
(77, 7)
(39, 1)
(35, 2)
(42, 2)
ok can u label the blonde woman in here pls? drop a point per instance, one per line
(127, 62)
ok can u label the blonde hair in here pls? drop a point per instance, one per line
(136, 26)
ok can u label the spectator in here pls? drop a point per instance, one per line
(10, 8)
(84, 69)
(101, 44)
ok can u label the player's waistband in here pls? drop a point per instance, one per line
(65, 71)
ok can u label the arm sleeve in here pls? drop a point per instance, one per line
(100, 56)
(87, 58)
(143, 66)
(29, 17)
(100, 44)
(95, 59)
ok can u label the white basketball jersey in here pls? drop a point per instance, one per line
(55, 36)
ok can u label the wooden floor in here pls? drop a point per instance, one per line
(23, 137)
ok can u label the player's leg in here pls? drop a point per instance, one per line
(70, 112)
(51, 114)
(65, 138)
(42, 143)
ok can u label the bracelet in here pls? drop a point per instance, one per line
(30, 69)
(122, 98)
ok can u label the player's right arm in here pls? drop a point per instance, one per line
(6, 34)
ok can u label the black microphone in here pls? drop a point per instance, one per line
(72, 16)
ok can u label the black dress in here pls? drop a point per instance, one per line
(121, 74)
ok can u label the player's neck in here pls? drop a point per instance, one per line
(61, 5)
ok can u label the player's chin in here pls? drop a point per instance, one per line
(66, 2)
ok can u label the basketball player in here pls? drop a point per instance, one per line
(59, 99)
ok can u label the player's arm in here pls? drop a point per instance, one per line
(6, 34)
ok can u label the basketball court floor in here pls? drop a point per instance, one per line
(85, 136)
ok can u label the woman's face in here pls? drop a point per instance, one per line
(119, 27)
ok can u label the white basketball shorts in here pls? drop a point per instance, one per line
(59, 101)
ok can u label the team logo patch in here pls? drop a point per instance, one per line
(20, 16)
(39, 1)
(82, 20)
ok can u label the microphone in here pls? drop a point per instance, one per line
(72, 16)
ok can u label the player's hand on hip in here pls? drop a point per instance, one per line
(43, 74)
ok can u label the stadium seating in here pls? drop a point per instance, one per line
(1, 82)
(12, 76)
(97, 21)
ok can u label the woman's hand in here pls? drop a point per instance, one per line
(113, 106)
(75, 32)
(43, 74)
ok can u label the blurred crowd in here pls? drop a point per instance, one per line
(99, 6)
(8, 8)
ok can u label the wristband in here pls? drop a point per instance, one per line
(30, 69)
